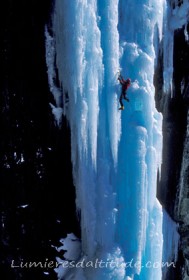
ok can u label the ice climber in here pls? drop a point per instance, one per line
(125, 85)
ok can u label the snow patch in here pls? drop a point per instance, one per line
(179, 15)
(72, 245)
(57, 112)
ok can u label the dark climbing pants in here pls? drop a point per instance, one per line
(123, 95)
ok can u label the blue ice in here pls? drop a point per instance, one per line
(115, 155)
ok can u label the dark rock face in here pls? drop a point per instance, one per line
(37, 197)
(174, 119)
(175, 162)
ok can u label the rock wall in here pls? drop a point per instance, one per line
(173, 183)
(35, 166)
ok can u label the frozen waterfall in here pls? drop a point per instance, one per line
(115, 154)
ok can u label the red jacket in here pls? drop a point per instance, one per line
(125, 83)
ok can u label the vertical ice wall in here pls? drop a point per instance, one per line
(115, 155)
(140, 216)
(87, 66)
